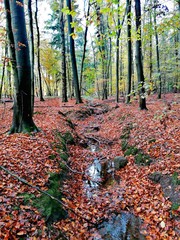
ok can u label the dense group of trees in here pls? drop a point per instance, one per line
(95, 48)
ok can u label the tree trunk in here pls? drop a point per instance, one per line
(129, 43)
(157, 52)
(22, 109)
(73, 55)
(31, 51)
(150, 49)
(38, 54)
(3, 70)
(63, 50)
(84, 46)
(117, 50)
(139, 64)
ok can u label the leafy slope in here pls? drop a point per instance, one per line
(155, 131)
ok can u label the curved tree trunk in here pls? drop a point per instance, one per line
(22, 109)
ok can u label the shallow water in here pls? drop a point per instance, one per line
(123, 226)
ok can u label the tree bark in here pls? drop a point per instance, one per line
(73, 55)
(129, 44)
(63, 51)
(31, 50)
(22, 109)
(3, 70)
(157, 52)
(139, 64)
(117, 50)
(84, 46)
(38, 53)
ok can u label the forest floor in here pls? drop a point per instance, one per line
(71, 138)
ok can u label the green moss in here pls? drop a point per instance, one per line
(126, 131)
(175, 179)
(68, 137)
(142, 159)
(124, 144)
(50, 209)
(64, 156)
(175, 206)
(131, 150)
(52, 156)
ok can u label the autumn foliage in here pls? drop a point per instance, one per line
(155, 132)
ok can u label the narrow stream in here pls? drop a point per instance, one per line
(123, 226)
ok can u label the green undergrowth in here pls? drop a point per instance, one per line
(140, 158)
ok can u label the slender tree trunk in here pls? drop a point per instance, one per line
(150, 48)
(38, 54)
(177, 56)
(139, 64)
(84, 46)
(31, 50)
(95, 67)
(117, 50)
(3, 70)
(8, 73)
(129, 43)
(63, 47)
(110, 68)
(73, 55)
(157, 52)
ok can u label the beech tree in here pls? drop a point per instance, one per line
(16, 30)
(139, 64)
(63, 51)
(73, 55)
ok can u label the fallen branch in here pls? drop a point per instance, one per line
(46, 193)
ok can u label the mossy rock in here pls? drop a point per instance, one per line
(120, 162)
